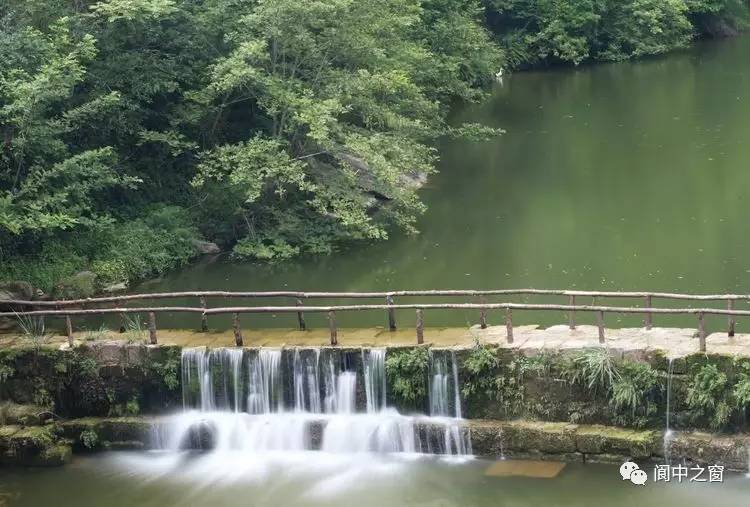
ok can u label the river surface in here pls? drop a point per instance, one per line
(628, 176)
(318, 479)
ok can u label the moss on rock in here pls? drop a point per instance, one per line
(547, 437)
(33, 446)
(24, 415)
(599, 439)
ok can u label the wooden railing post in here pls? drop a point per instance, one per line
(647, 318)
(572, 313)
(332, 327)
(152, 327)
(701, 332)
(301, 317)
(420, 327)
(69, 330)
(600, 325)
(123, 318)
(391, 314)
(509, 325)
(237, 329)
(204, 317)
(732, 319)
(482, 313)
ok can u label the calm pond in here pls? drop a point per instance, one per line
(309, 479)
(627, 176)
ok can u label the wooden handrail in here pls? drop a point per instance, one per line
(390, 308)
(344, 308)
(386, 294)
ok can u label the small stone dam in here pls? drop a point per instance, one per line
(553, 394)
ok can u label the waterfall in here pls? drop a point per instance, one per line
(374, 369)
(668, 429)
(330, 374)
(306, 382)
(271, 400)
(264, 387)
(454, 439)
(438, 394)
(440, 378)
(456, 393)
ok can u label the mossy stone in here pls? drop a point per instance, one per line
(597, 439)
(547, 437)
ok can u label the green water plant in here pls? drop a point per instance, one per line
(629, 388)
(593, 368)
(708, 396)
(495, 380)
(741, 389)
(135, 331)
(89, 439)
(96, 334)
(481, 368)
(33, 329)
(633, 393)
(406, 372)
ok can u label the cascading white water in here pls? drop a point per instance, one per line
(374, 369)
(455, 440)
(346, 392)
(438, 394)
(456, 394)
(307, 382)
(228, 407)
(265, 394)
(668, 429)
(440, 377)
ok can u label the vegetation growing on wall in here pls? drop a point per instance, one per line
(590, 386)
(73, 382)
(718, 393)
(406, 375)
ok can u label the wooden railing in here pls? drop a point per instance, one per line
(65, 308)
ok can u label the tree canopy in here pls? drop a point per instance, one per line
(274, 127)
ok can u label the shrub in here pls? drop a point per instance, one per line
(406, 372)
(89, 439)
(633, 392)
(707, 396)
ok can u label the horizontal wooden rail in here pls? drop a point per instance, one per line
(345, 308)
(388, 294)
(391, 308)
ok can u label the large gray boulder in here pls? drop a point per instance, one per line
(16, 290)
(10, 291)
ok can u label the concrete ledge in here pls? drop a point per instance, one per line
(604, 444)
(633, 343)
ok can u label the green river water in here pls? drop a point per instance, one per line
(627, 176)
(313, 479)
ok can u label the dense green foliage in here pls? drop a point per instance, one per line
(573, 31)
(718, 394)
(406, 373)
(131, 127)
